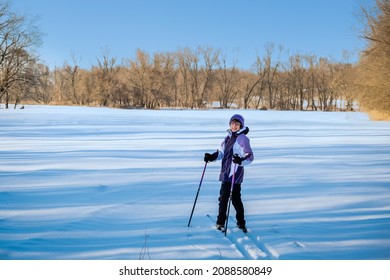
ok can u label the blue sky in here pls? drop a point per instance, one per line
(86, 29)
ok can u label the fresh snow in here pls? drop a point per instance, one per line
(101, 183)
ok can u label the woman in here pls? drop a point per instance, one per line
(235, 149)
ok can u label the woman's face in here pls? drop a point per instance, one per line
(235, 125)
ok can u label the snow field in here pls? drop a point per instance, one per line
(100, 183)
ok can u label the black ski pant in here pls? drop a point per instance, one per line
(224, 194)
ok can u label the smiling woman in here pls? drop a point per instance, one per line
(234, 151)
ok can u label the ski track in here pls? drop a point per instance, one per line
(293, 242)
(267, 253)
(271, 253)
(244, 244)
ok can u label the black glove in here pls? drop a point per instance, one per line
(210, 157)
(237, 159)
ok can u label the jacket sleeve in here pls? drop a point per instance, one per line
(246, 152)
(221, 150)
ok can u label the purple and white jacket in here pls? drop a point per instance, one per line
(234, 143)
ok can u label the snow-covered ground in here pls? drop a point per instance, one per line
(99, 183)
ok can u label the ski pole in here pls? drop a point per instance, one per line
(230, 197)
(197, 193)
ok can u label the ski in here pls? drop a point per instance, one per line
(218, 227)
(223, 229)
(244, 229)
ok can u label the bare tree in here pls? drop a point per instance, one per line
(140, 74)
(163, 79)
(259, 84)
(34, 85)
(18, 36)
(184, 68)
(43, 91)
(326, 94)
(196, 75)
(107, 82)
(251, 82)
(271, 71)
(297, 88)
(210, 58)
(374, 66)
(311, 83)
(228, 82)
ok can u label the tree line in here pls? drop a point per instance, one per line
(200, 78)
(195, 78)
